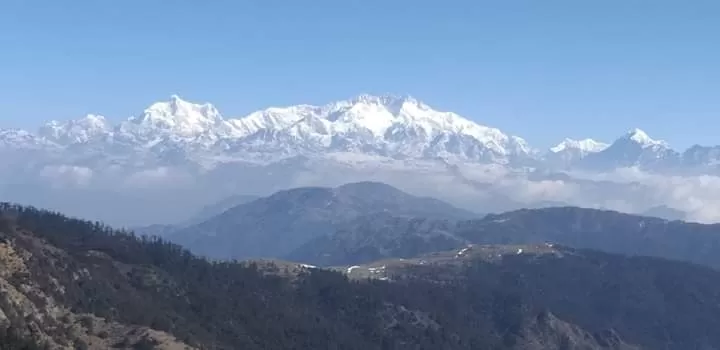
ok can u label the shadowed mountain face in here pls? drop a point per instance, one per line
(107, 289)
(371, 238)
(274, 226)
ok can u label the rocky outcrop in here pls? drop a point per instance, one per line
(31, 312)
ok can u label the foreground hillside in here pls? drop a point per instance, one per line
(73, 284)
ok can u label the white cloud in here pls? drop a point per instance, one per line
(160, 177)
(696, 195)
(66, 175)
(482, 188)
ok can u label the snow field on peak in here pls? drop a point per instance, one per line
(584, 145)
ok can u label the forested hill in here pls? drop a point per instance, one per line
(73, 284)
(386, 236)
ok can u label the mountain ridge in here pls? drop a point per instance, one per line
(270, 227)
(378, 237)
(387, 125)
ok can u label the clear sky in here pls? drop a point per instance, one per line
(542, 70)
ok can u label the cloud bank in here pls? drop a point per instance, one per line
(176, 192)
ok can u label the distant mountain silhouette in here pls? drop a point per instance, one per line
(274, 226)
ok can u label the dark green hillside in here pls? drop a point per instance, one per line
(377, 237)
(76, 284)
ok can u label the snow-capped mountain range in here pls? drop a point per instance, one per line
(398, 127)
(174, 157)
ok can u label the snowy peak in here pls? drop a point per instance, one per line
(634, 148)
(392, 103)
(383, 113)
(641, 138)
(19, 139)
(395, 126)
(81, 130)
(386, 124)
(178, 110)
(386, 99)
(570, 151)
(274, 118)
(368, 114)
(176, 116)
(93, 121)
(584, 146)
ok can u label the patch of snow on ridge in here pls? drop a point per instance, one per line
(585, 145)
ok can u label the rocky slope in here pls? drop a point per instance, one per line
(32, 299)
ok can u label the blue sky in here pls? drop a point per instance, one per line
(543, 70)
